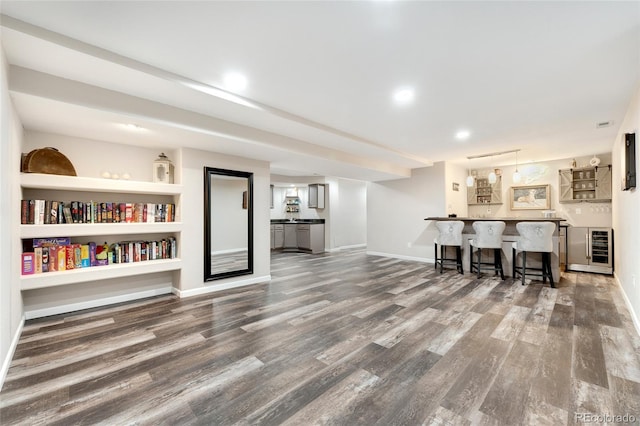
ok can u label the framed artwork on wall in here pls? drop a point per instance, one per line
(530, 197)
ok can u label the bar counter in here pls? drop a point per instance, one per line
(508, 237)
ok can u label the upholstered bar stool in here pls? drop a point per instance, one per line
(488, 236)
(534, 237)
(450, 235)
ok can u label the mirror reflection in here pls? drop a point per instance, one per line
(228, 223)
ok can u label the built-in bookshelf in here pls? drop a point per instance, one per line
(38, 186)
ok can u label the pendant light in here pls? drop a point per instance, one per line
(492, 176)
(469, 181)
(469, 177)
(516, 174)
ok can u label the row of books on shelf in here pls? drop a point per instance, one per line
(60, 254)
(44, 212)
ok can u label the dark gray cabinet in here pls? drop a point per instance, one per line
(290, 240)
(316, 196)
(277, 236)
(307, 237)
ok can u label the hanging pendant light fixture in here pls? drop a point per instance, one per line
(492, 175)
(469, 177)
(469, 181)
(516, 174)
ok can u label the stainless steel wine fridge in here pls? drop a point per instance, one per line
(590, 249)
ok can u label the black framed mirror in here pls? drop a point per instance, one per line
(228, 223)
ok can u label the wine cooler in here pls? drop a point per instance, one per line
(590, 249)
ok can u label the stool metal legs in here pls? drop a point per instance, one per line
(496, 266)
(545, 271)
(443, 259)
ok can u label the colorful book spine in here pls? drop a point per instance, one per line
(38, 260)
(28, 263)
(62, 258)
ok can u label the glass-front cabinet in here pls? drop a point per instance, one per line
(585, 184)
(484, 192)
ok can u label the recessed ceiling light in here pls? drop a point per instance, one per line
(463, 134)
(234, 82)
(403, 96)
(134, 127)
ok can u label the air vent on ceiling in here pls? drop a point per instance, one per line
(602, 124)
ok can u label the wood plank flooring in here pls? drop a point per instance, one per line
(344, 339)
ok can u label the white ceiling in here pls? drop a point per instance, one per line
(534, 76)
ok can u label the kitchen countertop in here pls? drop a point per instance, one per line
(509, 221)
(504, 219)
(308, 221)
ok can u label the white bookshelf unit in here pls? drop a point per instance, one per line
(32, 183)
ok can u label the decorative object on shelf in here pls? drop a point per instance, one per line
(493, 176)
(516, 174)
(163, 169)
(48, 161)
(595, 161)
(530, 197)
(105, 175)
(574, 164)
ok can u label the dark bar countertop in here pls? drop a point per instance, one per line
(311, 221)
(509, 221)
(504, 219)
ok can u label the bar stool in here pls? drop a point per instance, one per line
(534, 237)
(488, 236)
(450, 235)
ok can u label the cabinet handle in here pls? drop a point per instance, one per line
(586, 245)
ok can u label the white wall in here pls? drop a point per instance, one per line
(456, 199)
(349, 216)
(396, 211)
(626, 205)
(11, 310)
(192, 273)
(577, 214)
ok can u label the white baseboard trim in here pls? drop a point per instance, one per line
(634, 317)
(228, 251)
(353, 246)
(219, 287)
(399, 256)
(63, 309)
(6, 363)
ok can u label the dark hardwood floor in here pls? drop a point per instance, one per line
(345, 339)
